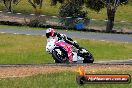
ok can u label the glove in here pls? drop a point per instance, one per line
(63, 35)
(75, 42)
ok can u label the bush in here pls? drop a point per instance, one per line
(73, 10)
(37, 21)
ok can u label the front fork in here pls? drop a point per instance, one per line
(77, 58)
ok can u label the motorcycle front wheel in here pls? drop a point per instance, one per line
(88, 57)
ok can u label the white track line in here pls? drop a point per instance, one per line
(54, 16)
(8, 12)
(27, 34)
(18, 13)
(32, 14)
(42, 15)
(16, 33)
(126, 42)
(103, 40)
(105, 20)
(93, 19)
(2, 32)
(68, 17)
(122, 21)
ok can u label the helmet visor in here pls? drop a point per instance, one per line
(48, 35)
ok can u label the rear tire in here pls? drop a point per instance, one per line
(63, 58)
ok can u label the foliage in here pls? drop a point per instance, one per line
(54, 2)
(36, 21)
(96, 5)
(130, 2)
(8, 3)
(72, 9)
(34, 3)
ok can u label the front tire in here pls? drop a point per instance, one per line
(88, 57)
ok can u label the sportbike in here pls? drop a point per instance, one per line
(63, 52)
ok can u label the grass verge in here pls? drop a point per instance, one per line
(23, 49)
(21, 27)
(58, 80)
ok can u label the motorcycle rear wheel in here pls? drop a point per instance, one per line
(60, 58)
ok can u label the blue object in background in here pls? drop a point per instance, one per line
(79, 26)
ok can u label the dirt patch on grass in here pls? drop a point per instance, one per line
(28, 71)
(24, 71)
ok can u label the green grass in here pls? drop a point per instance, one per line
(25, 7)
(21, 27)
(107, 50)
(22, 49)
(99, 24)
(57, 80)
(123, 12)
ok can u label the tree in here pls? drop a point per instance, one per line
(111, 6)
(54, 2)
(130, 2)
(35, 4)
(71, 9)
(97, 5)
(8, 4)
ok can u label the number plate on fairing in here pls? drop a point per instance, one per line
(58, 51)
(80, 58)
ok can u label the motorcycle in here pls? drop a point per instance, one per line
(63, 52)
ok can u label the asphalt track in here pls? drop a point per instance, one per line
(96, 36)
(112, 62)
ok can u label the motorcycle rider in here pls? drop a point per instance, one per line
(50, 32)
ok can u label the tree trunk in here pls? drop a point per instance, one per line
(34, 6)
(110, 16)
(10, 6)
(41, 3)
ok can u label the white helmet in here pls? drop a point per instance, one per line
(50, 32)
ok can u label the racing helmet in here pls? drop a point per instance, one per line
(50, 32)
